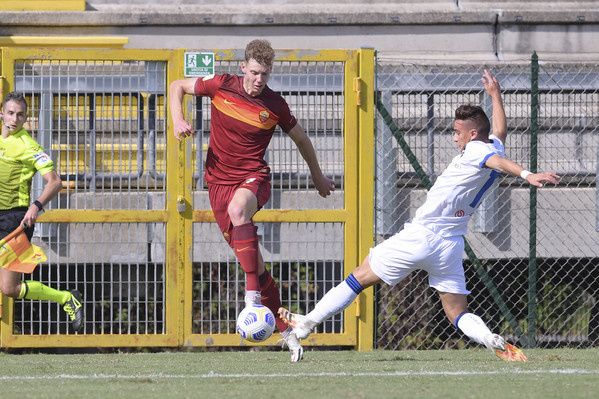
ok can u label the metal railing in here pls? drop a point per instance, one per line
(151, 273)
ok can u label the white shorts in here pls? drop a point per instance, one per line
(418, 248)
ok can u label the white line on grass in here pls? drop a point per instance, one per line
(340, 374)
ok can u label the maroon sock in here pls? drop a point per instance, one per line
(271, 298)
(245, 245)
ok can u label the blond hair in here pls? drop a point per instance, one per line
(261, 51)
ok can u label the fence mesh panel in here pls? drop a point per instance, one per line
(562, 265)
(103, 124)
(305, 259)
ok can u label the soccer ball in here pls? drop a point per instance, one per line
(256, 323)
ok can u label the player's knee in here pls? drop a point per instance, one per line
(9, 289)
(237, 214)
(365, 276)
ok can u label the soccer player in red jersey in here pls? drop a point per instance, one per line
(245, 113)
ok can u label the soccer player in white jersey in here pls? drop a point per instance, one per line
(434, 241)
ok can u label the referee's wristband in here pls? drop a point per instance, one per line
(524, 174)
(39, 205)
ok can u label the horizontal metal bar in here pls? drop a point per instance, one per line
(322, 83)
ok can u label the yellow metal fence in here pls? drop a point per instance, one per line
(132, 228)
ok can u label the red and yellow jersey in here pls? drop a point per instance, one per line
(242, 127)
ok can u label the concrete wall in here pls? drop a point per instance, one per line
(128, 242)
(566, 225)
(562, 232)
(450, 30)
(436, 30)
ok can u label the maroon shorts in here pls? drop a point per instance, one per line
(221, 195)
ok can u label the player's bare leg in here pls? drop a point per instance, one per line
(456, 309)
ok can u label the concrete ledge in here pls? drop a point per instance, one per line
(301, 13)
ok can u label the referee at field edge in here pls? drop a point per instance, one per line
(21, 158)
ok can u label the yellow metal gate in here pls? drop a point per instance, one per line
(132, 228)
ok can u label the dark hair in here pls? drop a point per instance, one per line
(261, 51)
(475, 114)
(16, 97)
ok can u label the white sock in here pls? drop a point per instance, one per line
(253, 298)
(286, 333)
(474, 327)
(332, 302)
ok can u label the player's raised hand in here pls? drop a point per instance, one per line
(491, 84)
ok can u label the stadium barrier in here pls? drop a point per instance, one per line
(132, 228)
(532, 259)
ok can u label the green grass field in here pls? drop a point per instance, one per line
(472, 373)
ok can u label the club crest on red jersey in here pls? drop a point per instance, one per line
(263, 115)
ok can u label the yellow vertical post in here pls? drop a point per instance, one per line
(351, 194)
(366, 189)
(179, 228)
(6, 304)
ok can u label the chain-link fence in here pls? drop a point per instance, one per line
(532, 268)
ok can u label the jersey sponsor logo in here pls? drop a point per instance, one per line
(263, 115)
(455, 163)
(229, 102)
(41, 158)
(460, 214)
(248, 182)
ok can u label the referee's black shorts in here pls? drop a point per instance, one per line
(10, 220)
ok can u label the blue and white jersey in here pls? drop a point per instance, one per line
(458, 191)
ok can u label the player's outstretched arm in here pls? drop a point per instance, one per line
(510, 167)
(493, 89)
(323, 184)
(177, 91)
(539, 179)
